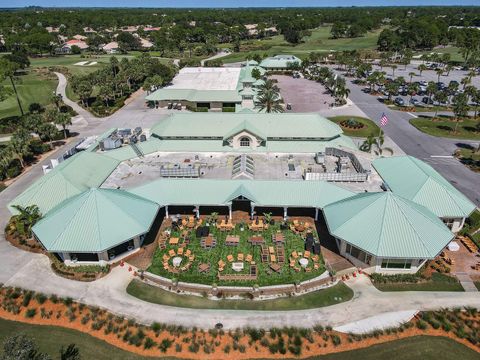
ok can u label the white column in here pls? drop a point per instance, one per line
(197, 211)
(285, 215)
(166, 211)
(103, 256)
(230, 211)
(252, 211)
(66, 256)
(316, 214)
(136, 242)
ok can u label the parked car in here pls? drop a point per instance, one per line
(170, 105)
(426, 100)
(289, 106)
(399, 101)
(414, 102)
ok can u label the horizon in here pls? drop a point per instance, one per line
(231, 4)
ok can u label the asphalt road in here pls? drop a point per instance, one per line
(433, 150)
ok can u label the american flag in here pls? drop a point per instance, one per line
(384, 120)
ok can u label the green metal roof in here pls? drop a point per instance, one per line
(415, 180)
(262, 192)
(71, 177)
(194, 95)
(279, 61)
(387, 225)
(286, 125)
(95, 220)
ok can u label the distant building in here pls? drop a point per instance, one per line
(111, 47)
(280, 62)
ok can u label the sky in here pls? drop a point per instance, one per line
(228, 3)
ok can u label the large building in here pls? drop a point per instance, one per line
(387, 215)
(210, 89)
(280, 62)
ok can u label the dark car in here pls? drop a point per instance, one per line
(399, 101)
(427, 100)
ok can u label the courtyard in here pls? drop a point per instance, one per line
(216, 250)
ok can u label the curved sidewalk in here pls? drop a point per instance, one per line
(110, 293)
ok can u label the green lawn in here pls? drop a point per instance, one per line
(287, 275)
(370, 127)
(32, 87)
(414, 348)
(51, 338)
(469, 157)
(444, 127)
(452, 50)
(438, 282)
(334, 295)
(318, 41)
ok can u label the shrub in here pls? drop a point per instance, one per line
(30, 313)
(166, 344)
(226, 349)
(422, 325)
(149, 343)
(336, 339)
(41, 298)
(26, 298)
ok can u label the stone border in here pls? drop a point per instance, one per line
(322, 281)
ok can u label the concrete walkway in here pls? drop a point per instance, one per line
(466, 281)
(216, 56)
(377, 322)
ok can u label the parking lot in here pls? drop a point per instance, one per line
(304, 95)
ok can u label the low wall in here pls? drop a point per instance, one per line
(262, 292)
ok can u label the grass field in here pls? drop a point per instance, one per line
(438, 282)
(32, 87)
(334, 295)
(452, 50)
(286, 275)
(444, 128)
(51, 338)
(370, 127)
(318, 41)
(469, 157)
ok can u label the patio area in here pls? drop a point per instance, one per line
(240, 251)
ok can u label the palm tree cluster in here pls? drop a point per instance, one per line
(335, 83)
(120, 78)
(268, 98)
(42, 126)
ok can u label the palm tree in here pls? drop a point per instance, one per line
(368, 143)
(413, 89)
(421, 68)
(441, 97)
(64, 120)
(411, 74)
(20, 145)
(466, 81)
(431, 89)
(394, 67)
(71, 352)
(26, 218)
(270, 102)
(48, 131)
(460, 108)
(8, 70)
(439, 72)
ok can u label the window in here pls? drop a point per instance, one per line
(358, 254)
(396, 263)
(244, 141)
